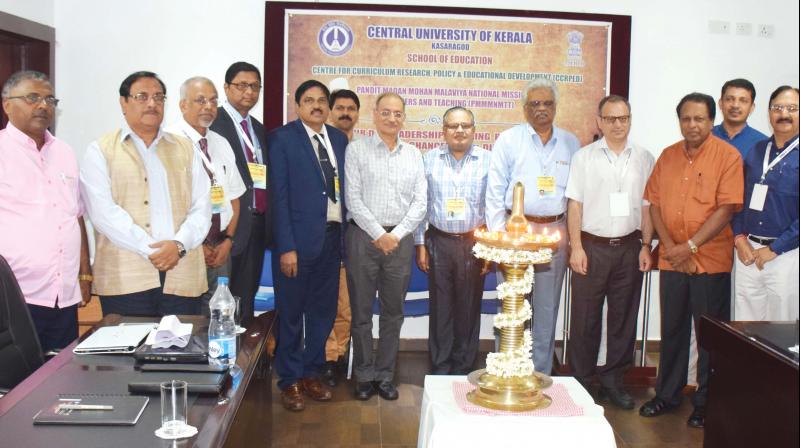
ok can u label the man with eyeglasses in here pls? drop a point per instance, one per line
(246, 136)
(307, 161)
(538, 154)
(456, 174)
(44, 238)
(147, 196)
(767, 268)
(387, 199)
(696, 187)
(737, 102)
(198, 105)
(610, 234)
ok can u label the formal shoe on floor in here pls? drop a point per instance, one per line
(698, 418)
(292, 398)
(618, 397)
(386, 390)
(315, 389)
(655, 407)
(364, 391)
(329, 373)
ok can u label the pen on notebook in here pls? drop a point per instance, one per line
(86, 407)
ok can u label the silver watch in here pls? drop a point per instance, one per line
(181, 249)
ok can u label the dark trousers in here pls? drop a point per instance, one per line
(613, 277)
(152, 302)
(306, 302)
(683, 298)
(56, 327)
(246, 269)
(370, 271)
(456, 289)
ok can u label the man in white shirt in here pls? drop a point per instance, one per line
(610, 235)
(198, 104)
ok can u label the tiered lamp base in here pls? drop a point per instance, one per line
(509, 394)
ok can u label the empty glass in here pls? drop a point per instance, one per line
(173, 407)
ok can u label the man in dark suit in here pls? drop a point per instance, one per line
(306, 166)
(247, 138)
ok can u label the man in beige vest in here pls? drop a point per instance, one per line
(147, 196)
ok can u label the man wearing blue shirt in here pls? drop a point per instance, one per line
(737, 102)
(767, 228)
(456, 174)
(537, 154)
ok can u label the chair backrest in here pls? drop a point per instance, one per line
(20, 352)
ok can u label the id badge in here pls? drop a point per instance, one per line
(217, 199)
(758, 197)
(456, 209)
(336, 188)
(620, 205)
(546, 186)
(258, 171)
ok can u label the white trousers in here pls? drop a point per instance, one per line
(771, 293)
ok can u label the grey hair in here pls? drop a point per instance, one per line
(457, 108)
(540, 83)
(192, 80)
(24, 75)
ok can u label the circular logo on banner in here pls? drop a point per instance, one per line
(335, 38)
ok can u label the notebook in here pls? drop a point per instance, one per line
(198, 382)
(122, 338)
(126, 410)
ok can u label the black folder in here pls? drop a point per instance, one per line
(197, 382)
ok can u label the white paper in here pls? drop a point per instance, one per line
(170, 332)
(620, 204)
(758, 197)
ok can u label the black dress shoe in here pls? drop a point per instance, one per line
(386, 390)
(698, 418)
(364, 391)
(329, 373)
(655, 407)
(618, 397)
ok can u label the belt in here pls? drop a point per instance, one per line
(541, 219)
(387, 229)
(761, 241)
(457, 236)
(613, 242)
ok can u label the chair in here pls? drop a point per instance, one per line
(20, 352)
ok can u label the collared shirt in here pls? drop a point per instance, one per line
(334, 209)
(687, 191)
(115, 223)
(223, 165)
(449, 179)
(385, 186)
(237, 122)
(597, 173)
(779, 217)
(743, 141)
(39, 210)
(519, 156)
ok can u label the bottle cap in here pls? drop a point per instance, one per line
(222, 281)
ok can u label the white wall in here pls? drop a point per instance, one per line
(35, 10)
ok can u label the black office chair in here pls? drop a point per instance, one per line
(20, 351)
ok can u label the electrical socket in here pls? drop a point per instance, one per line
(719, 27)
(766, 31)
(744, 29)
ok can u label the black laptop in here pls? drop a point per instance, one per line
(195, 352)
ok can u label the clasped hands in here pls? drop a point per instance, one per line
(679, 256)
(747, 255)
(166, 255)
(386, 243)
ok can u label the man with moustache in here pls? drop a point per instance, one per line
(538, 154)
(199, 108)
(696, 187)
(456, 174)
(737, 102)
(766, 230)
(610, 237)
(44, 238)
(307, 159)
(387, 199)
(246, 136)
(147, 195)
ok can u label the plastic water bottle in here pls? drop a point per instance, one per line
(222, 327)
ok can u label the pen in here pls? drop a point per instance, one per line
(86, 407)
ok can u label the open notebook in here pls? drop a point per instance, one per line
(123, 338)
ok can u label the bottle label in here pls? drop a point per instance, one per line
(222, 348)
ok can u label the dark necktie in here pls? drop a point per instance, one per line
(214, 236)
(259, 193)
(327, 168)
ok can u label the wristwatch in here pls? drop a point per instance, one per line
(225, 236)
(692, 246)
(181, 249)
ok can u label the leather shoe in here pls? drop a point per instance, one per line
(386, 390)
(698, 418)
(315, 389)
(655, 407)
(364, 391)
(618, 397)
(329, 373)
(292, 398)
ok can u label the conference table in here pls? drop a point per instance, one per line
(239, 415)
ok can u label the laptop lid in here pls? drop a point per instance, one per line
(123, 338)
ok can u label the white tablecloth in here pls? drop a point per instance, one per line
(442, 424)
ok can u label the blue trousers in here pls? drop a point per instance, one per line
(152, 302)
(56, 327)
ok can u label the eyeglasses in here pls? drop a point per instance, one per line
(243, 86)
(535, 104)
(34, 99)
(623, 119)
(308, 101)
(144, 98)
(455, 126)
(388, 113)
(791, 108)
(202, 101)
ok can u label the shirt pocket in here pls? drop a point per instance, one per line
(705, 189)
(789, 180)
(562, 172)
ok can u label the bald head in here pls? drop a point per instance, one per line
(198, 103)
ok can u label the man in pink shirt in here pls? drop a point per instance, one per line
(43, 237)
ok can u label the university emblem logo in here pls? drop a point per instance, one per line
(574, 51)
(335, 38)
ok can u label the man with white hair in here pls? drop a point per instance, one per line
(537, 154)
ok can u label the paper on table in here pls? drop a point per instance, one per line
(170, 332)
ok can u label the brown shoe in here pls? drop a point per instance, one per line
(315, 390)
(292, 398)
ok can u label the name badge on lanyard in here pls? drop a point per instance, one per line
(760, 189)
(620, 204)
(258, 171)
(336, 188)
(217, 199)
(456, 209)
(546, 186)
